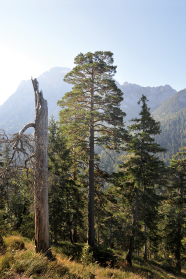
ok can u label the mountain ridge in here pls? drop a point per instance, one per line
(164, 102)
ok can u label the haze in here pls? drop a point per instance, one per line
(146, 37)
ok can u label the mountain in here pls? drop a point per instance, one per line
(171, 106)
(133, 92)
(172, 116)
(166, 105)
(19, 109)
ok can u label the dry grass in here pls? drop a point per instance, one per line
(19, 261)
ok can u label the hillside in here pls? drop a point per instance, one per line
(172, 115)
(18, 260)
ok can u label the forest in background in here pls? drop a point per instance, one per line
(138, 202)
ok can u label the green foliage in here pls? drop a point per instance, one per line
(172, 114)
(14, 243)
(140, 173)
(100, 254)
(72, 251)
(175, 214)
(6, 261)
(16, 211)
(104, 256)
(91, 115)
(92, 75)
(87, 255)
(65, 197)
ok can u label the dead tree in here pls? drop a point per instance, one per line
(20, 144)
(42, 239)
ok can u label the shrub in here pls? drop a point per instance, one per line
(101, 254)
(87, 254)
(168, 264)
(104, 256)
(14, 243)
(6, 261)
(73, 251)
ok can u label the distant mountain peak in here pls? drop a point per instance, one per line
(19, 108)
(54, 71)
(126, 83)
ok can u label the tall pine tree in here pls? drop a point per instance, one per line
(92, 108)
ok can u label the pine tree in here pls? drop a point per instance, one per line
(141, 171)
(92, 107)
(176, 199)
(65, 198)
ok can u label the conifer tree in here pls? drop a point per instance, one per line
(92, 107)
(176, 199)
(141, 170)
(65, 199)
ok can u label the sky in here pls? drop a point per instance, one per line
(147, 38)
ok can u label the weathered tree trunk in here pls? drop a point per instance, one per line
(42, 240)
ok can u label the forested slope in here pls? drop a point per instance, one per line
(172, 115)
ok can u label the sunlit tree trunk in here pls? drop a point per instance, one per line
(42, 240)
(91, 233)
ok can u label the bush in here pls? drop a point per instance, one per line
(73, 251)
(101, 254)
(87, 254)
(6, 261)
(14, 243)
(104, 256)
(168, 265)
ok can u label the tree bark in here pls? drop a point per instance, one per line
(42, 240)
(98, 222)
(90, 232)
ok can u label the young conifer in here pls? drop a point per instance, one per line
(141, 170)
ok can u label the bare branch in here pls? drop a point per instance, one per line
(28, 125)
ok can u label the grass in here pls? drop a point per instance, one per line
(19, 260)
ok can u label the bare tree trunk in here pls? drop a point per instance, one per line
(42, 240)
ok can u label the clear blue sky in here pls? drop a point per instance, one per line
(147, 37)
